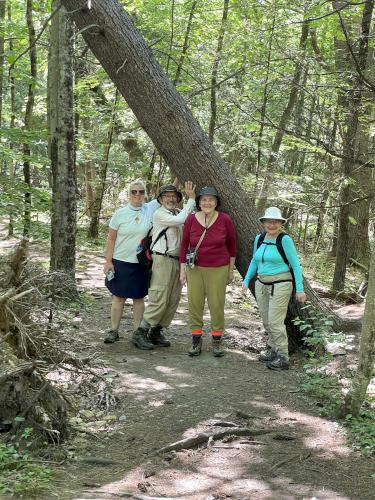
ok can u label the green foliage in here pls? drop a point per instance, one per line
(19, 475)
(362, 431)
(324, 385)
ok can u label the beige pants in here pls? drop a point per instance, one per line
(164, 292)
(273, 310)
(207, 283)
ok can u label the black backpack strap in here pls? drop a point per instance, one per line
(279, 245)
(162, 232)
(260, 239)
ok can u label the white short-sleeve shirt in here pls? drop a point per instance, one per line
(131, 224)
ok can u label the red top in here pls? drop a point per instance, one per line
(218, 245)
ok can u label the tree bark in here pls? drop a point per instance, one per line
(61, 143)
(2, 46)
(12, 119)
(163, 114)
(29, 116)
(357, 393)
(350, 145)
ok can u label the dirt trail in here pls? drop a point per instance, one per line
(166, 396)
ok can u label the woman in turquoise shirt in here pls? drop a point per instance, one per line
(274, 286)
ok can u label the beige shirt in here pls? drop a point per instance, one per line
(175, 222)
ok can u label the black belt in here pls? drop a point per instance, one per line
(166, 255)
(274, 283)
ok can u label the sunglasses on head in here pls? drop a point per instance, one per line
(137, 191)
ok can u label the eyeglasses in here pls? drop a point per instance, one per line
(137, 191)
(169, 196)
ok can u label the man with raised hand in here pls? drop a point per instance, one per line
(165, 288)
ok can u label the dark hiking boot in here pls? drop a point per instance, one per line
(140, 340)
(157, 338)
(111, 336)
(279, 363)
(217, 350)
(196, 346)
(267, 356)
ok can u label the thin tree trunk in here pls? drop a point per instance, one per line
(12, 120)
(2, 48)
(350, 147)
(215, 68)
(61, 143)
(99, 192)
(265, 98)
(357, 393)
(186, 43)
(284, 120)
(29, 115)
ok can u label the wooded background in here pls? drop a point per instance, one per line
(283, 90)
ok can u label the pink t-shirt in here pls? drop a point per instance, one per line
(218, 245)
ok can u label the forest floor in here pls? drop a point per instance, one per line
(165, 396)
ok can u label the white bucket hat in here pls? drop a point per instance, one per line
(272, 213)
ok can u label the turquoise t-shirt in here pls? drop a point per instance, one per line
(267, 261)
(132, 225)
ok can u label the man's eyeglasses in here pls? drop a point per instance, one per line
(137, 191)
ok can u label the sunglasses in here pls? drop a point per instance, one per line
(137, 191)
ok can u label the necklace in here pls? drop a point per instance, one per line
(137, 212)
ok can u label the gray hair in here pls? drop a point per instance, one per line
(136, 182)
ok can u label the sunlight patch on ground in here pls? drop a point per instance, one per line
(172, 371)
(136, 384)
(320, 437)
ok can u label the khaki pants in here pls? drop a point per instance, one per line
(164, 292)
(273, 309)
(210, 283)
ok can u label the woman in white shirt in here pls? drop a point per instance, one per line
(127, 227)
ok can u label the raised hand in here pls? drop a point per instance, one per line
(190, 189)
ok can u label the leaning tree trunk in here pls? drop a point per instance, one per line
(163, 114)
(61, 143)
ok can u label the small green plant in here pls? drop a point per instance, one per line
(362, 431)
(19, 475)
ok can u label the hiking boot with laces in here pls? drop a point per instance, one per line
(196, 346)
(217, 350)
(267, 356)
(157, 338)
(111, 336)
(279, 363)
(140, 340)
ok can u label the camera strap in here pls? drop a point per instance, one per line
(204, 233)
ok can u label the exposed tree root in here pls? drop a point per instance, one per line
(204, 437)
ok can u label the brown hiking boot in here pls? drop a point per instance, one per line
(196, 346)
(140, 340)
(157, 338)
(111, 336)
(217, 350)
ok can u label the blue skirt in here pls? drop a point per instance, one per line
(130, 281)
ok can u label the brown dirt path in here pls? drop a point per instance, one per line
(165, 396)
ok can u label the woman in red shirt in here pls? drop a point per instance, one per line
(212, 269)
